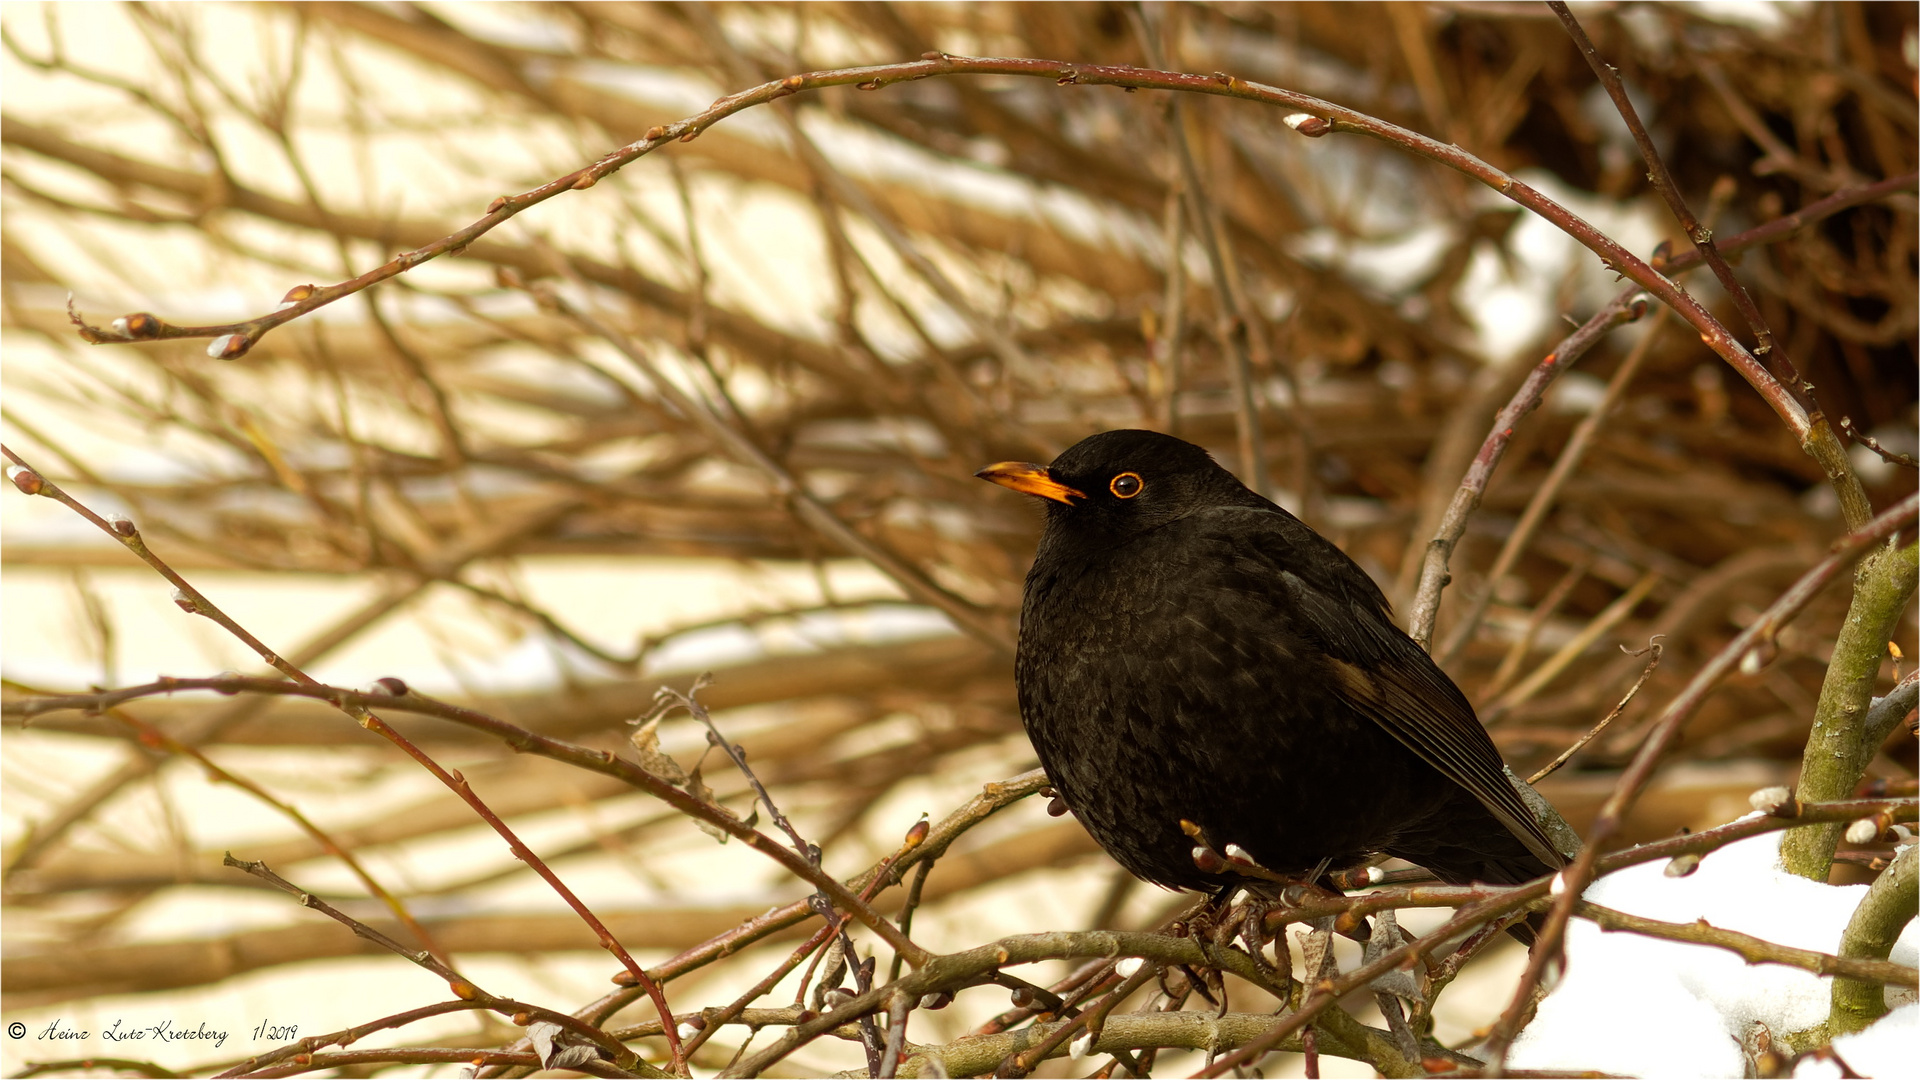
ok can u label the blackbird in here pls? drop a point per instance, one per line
(1197, 666)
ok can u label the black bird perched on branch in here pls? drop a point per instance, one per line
(1196, 664)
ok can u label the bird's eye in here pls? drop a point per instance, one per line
(1126, 485)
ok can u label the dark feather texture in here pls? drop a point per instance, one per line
(1191, 652)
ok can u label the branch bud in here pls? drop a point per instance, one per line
(918, 833)
(229, 346)
(1308, 124)
(1129, 967)
(139, 326)
(185, 603)
(26, 480)
(122, 525)
(1758, 657)
(1555, 969)
(1081, 1046)
(1776, 801)
(1682, 865)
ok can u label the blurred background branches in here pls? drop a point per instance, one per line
(803, 331)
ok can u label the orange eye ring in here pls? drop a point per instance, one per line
(1126, 485)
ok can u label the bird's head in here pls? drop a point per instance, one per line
(1118, 483)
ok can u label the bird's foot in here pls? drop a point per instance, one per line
(1252, 930)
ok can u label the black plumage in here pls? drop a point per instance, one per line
(1190, 652)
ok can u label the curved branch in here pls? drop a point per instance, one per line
(1841, 744)
(1890, 904)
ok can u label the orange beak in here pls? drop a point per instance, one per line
(1029, 479)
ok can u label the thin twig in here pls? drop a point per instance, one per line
(1473, 486)
(1749, 948)
(1656, 649)
(1889, 456)
(1543, 497)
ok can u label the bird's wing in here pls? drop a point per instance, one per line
(1384, 675)
(1390, 679)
